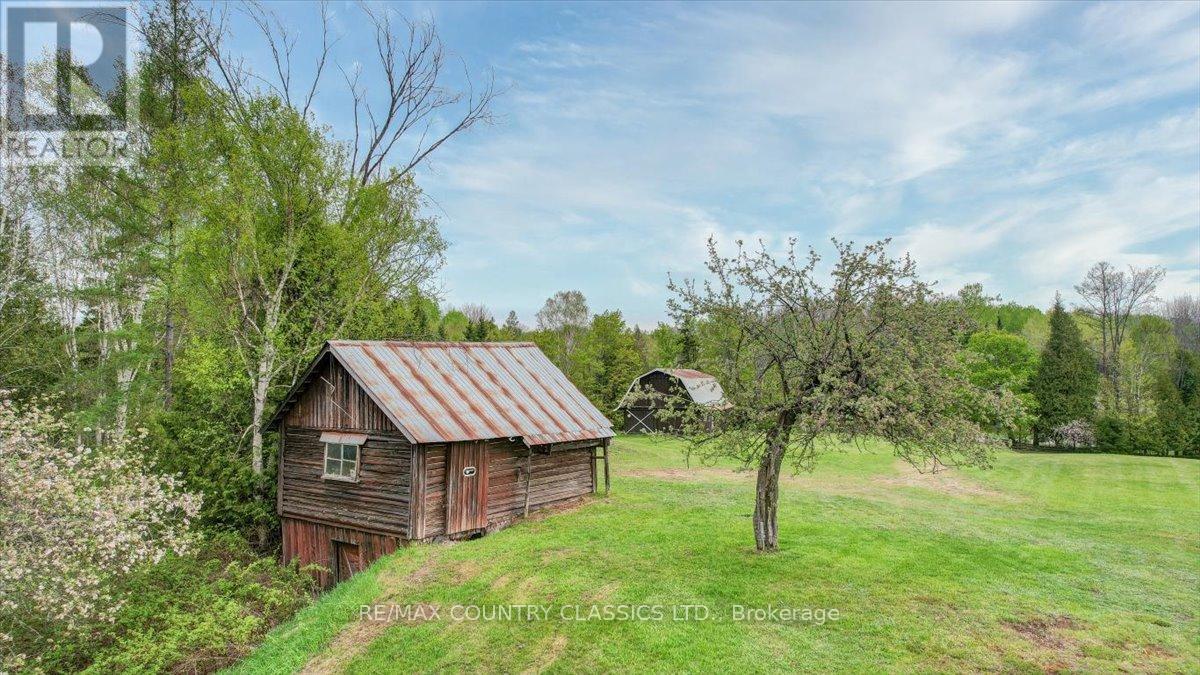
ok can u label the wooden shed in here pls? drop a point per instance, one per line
(384, 443)
(679, 387)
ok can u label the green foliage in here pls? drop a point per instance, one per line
(454, 326)
(988, 315)
(1000, 361)
(666, 346)
(1003, 362)
(1130, 435)
(1065, 382)
(1177, 397)
(607, 361)
(204, 440)
(481, 331)
(512, 328)
(191, 613)
(689, 348)
(30, 349)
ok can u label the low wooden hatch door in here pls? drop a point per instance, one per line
(466, 487)
(347, 560)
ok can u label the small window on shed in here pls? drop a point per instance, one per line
(341, 461)
(342, 455)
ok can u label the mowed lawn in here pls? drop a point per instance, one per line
(1047, 562)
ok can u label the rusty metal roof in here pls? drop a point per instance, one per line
(440, 392)
(704, 389)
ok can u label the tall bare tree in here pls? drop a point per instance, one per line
(476, 313)
(1184, 314)
(565, 313)
(419, 114)
(1111, 297)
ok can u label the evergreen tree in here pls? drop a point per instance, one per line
(607, 360)
(689, 346)
(420, 318)
(512, 327)
(1066, 379)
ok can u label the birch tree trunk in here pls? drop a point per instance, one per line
(262, 383)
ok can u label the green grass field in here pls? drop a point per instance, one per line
(1043, 563)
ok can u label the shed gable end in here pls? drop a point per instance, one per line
(331, 399)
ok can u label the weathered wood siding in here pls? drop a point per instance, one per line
(378, 501)
(555, 477)
(332, 400)
(315, 543)
(436, 459)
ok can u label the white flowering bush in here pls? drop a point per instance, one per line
(1077, 434)
(74, 520)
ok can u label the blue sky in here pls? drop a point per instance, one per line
(1010, 144)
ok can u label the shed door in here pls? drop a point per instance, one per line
(467, 487)
(347, 560)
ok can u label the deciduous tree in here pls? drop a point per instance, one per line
(870, 352)
(1111, 297)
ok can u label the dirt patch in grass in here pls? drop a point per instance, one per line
(1044, 632)
(1047, 634)
(549, 655)
(528, 588)
(466, 571)
(946, 480)
(348, 644)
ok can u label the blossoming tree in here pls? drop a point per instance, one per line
(73, 521)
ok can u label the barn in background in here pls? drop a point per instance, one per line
(672, 388)
(384, 443)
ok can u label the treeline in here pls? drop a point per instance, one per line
(1118, 373)
(600, 353)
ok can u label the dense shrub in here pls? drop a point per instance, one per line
(202, 440)
(193, 613)
(1134, 436)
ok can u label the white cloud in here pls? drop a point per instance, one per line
(1009, 143)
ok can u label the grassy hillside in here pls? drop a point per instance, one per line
(1046, 562)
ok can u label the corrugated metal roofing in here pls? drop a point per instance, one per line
(702, 387)
(439, 392)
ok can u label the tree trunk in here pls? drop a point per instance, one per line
(256, 435)
(262, 384)
(766, 503)
(766, 496)
(169, 336)
(125, 378)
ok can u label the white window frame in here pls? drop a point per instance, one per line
(335, 455)
(343, 456)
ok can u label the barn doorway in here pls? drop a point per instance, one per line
(467, 487)
(347, 560)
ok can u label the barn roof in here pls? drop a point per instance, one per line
(701, 387)
(438, 392)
